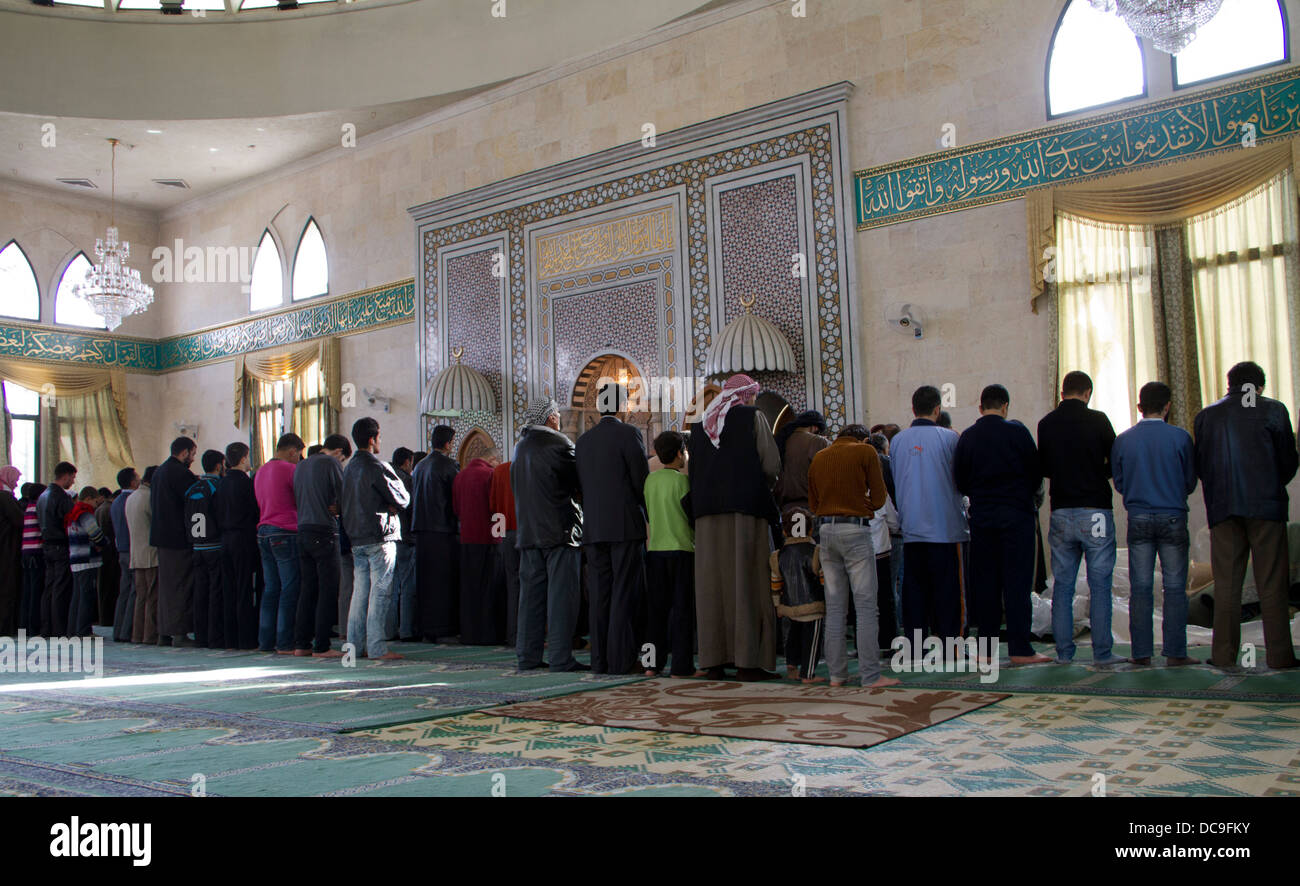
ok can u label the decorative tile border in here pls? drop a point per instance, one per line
(375, 308)
(1178, 128)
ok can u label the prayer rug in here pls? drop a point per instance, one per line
(844, 716)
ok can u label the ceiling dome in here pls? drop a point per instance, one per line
(749, 343)
(456, 389)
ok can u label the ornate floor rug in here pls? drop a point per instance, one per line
(844, 717)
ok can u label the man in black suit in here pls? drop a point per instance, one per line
(612, 470)
(434, 525)
(996, 466)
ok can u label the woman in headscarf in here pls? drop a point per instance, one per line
(734, 465)
(11, 541)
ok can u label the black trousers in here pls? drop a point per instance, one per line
(670, 605)
(482, 596)
(57, 599)
(110, 574)
(510, 566)
(209, 599)
(616, 586)
(29, 607)
(803, 646)
(318, 589)
(175, 592)
(437, 584)
(124, 613)
(931, 590)
(885, 598)
(1002, 577)
(239, 562)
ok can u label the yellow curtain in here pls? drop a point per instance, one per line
(264, 401)
(1104, 279)
(285, 364)
(309, 418)
(1244, 265)
(1156, 196)
(62, 380)
(91, 437)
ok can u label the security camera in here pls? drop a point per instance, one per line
(377, 398)
(905, 319)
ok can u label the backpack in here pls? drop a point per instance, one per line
(201, 514)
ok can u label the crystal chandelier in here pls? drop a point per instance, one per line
(112, 289)
(1169, 24)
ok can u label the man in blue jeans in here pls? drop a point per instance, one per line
(1074, 444)
(1154, 468)
(373, 496)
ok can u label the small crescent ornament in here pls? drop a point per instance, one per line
(747, 301)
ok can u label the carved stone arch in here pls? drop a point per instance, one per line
(476, 443)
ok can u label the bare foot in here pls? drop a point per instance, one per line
(883, 682)
(792, 673)
(811, 680)
(1036, 658)
(650, 673)
(390, 656)
(836, 684)
(332, 653)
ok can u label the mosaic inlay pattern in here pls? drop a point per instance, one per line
(604, 321)
(647, 233)
(1175, 129)
(691, 174)
(358, 312)
(759, 235)
(474, 323)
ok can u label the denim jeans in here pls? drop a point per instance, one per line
(849, 566)
(279, 549)
(372, 571)
(550, 591)
(1082, 534)
(1166, 535)
(401, 611)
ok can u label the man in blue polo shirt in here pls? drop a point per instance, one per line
(1154, 468)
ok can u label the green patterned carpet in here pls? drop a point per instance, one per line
(168, 721)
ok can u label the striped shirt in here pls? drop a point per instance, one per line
(31, 530)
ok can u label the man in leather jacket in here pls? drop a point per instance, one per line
(433, 522)
(1245, 455)
(544, 478)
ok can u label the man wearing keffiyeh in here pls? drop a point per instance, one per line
(734, 465)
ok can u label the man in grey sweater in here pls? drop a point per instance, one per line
(317, 490)
(373, 496)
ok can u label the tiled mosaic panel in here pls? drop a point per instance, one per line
(759, 233)
(621, 318)
(474, 323)
(814, 142)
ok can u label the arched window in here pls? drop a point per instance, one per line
(1245, 35)
(1094, 60)
(20, 297)
(68, 309)
(266, 286)
(311, 273)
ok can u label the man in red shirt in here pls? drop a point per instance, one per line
(501, 501)
(482, 589)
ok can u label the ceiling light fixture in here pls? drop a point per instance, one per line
(1169, 24)
(111, 288)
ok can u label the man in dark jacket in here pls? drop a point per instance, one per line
(1245, 455)
(544, 479)
(238, 514)
(317, 491)
(52, 508)
(996, 466)
(1074, 445)
(373, 496)
(169, 533)
(128, 480)
(612, 469)
(433, 522)
(205, 539)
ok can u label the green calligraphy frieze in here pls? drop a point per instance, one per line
(1227, 118)
(349, 314)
